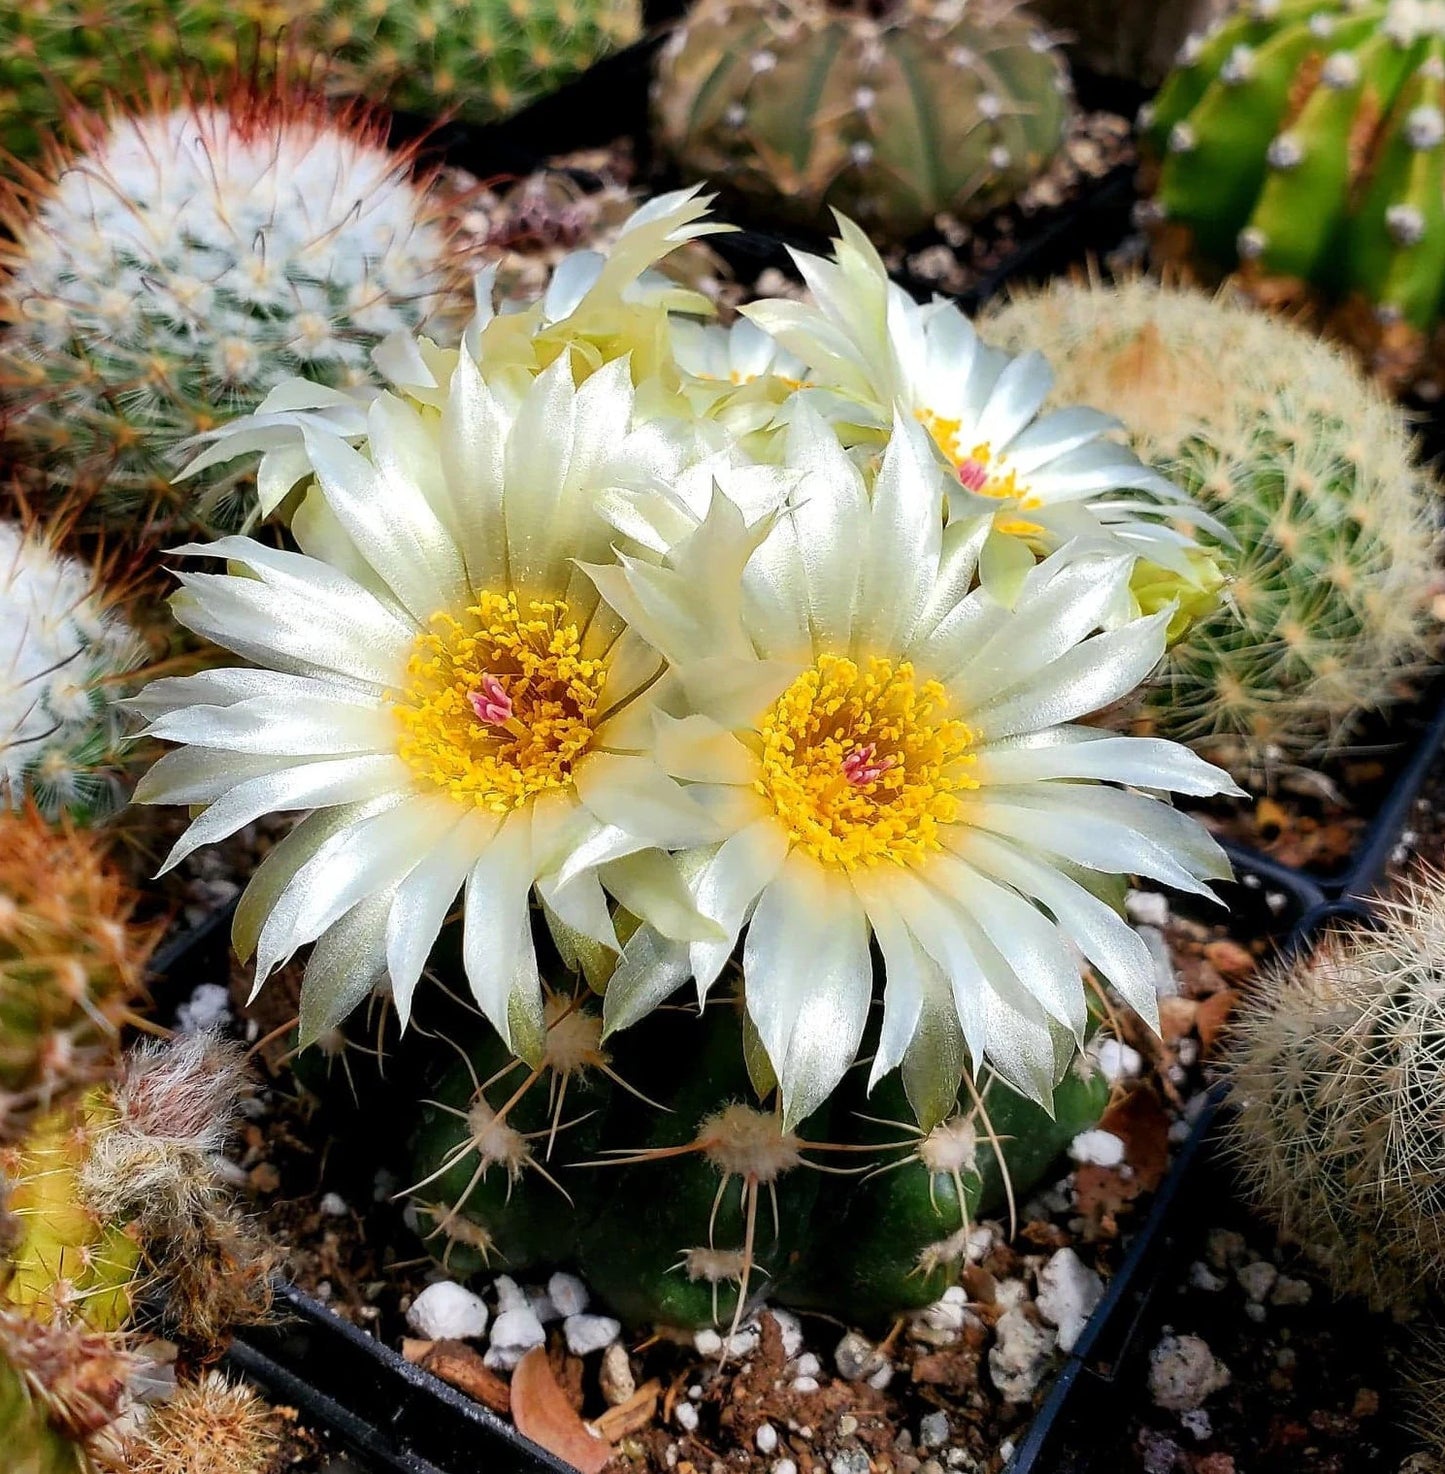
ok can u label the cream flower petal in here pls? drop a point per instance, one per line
(345, 966)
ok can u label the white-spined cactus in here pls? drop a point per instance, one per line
(190, 257)
(66, 657)
(1339, 1073)
(1281, 438)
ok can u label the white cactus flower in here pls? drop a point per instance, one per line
(1046, 479)
(893, 755)
(437, 680)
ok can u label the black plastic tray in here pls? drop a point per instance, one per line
(1089, 1392)
(399, 1418)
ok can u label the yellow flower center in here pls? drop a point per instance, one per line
(499, 705)
(862, 763)
(977, 469)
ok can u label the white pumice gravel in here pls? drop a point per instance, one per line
(1257, 1279)
(1149, 908)
(1117, 1061)
(333, 1205)
(707, 1342)
(686, 1417)
(447, 1312)
(805, 1384)
(1097, 1148)
(568, 1293)
(510, 1295)
(589, 1333)
(1183, 1372)
(790, 1328)
(1068, 1292)
(516, 1332)
(784, 1466)
(208, 1007)
(807, 1365)
(855, 1357)
(543, 1308)
(615, 1377)
(766, 1438)
(933, 1430)
(1020, 1356)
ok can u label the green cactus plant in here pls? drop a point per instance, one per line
(1303, 142)
(478, 59)
(683, 1217)
(1338, 1068)
(187, 260)
(1313, 470)
(891, 112)
(71, 961)
(71, 658)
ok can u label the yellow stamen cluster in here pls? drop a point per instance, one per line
(1000, 485)
(534, 650)
(836, 708)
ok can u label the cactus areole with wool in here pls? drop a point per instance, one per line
(891, 112)
(1303, 142)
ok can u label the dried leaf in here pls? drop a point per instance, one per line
(1213, 1016)
(1140, 1121)
(455, 1362)
(631, 1416)
(541, 1411)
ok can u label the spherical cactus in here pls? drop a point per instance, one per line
(889, 112)
(1313, 471)
(69, 661)
(1304, 144)
(70, 962)
(185, 262)
(1338, 1065)
(209, 1426)
(476, 59)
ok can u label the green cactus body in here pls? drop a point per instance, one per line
(1313, 471)
(899, 1237)
(478, 59)
(1303, 142)
(890, 114)
(62, 736)
(189, 260)
(497, 1147)
(32, 1445)
(69, 1260)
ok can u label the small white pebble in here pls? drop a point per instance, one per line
(1148, 907)
(1201, 1277)
(510, 1295)
(785, 1466)
(333, 1205)
(1097, 1148)
(807, 1365)
(880, 1379)
(1118, 1061)
(707, 1342)
(790, 1328)
(766, 1438)
(742, 1343)
(568, 1294)
(447, 1312)
(543, 1308)
(517, 1330)
(686, 1417)
(805, 1384)
(1289, 1291)
(588, 1333)
(1257, 1279)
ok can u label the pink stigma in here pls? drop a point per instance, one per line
(492, 704)
(973, 474)
(862, 767)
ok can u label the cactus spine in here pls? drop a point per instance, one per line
(1280, 437)
(891, 113)
(209, 1426)
(1338, 1068)
(187, 260)
(68, 658)
(1304, 143)
(70, 962)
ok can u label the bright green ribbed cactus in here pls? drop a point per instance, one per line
(186, 262)
(1338, 1067)
(890, 112)
(68, 661)
(1285, 442)
(1303, 141)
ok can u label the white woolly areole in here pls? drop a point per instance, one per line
(58, 643)
(202, 221)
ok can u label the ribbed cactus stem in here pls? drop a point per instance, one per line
(890, 113)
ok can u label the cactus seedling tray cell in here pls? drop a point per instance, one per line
(399, 1418)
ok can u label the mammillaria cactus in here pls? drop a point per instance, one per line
(207, 1426)
(1314, 472)
(890, 112)
(70, 961)
(1339, 1069)
(68, 658)
(1304, 144)
(189, 258)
